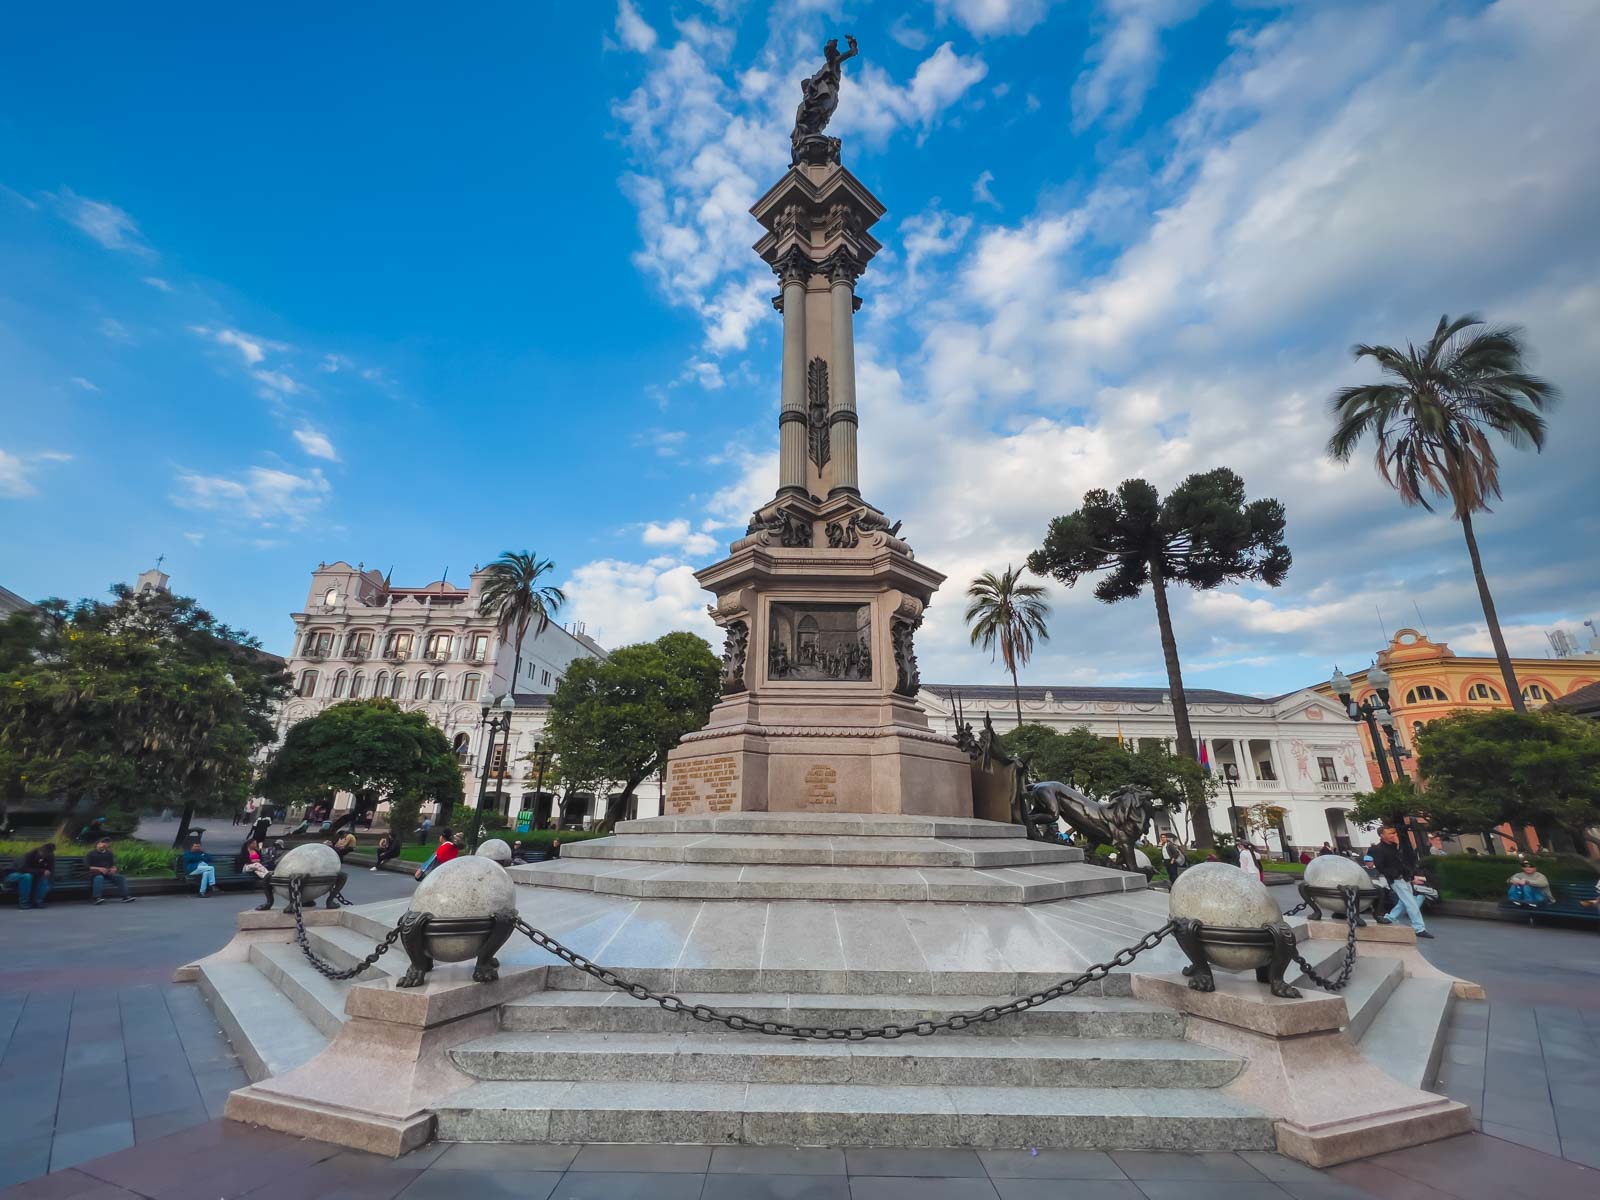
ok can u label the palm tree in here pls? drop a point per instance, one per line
(1431, 417)
(1005, 617)
(514, 597)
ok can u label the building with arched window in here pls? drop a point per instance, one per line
(429, 648)
(1428, 680)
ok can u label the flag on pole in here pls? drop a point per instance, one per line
(1205, 759)
(1119, 733)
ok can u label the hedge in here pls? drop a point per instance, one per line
(1483, 876)
(137, 860)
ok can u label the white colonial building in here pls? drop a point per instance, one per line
(1299, 751)
(430, 648)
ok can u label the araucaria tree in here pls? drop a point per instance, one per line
(1005, 616)
(1202, 535)
(1431, 416)
(515, 599)
(616, 718)
(367, 747)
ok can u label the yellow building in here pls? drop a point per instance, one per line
(1428, 680)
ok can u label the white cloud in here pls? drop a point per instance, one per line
(80, 382)
(17, 472)
(980, 190)
(115, 331)
(252, 349)
(155, 281)
(992, 18)
(1125, 58)
(277, 381)
(316, 444)
(195, 538)
(334, 363)
(261, 494)
(633, 30)
(906, 34)
(625, 602)
(871, 104)
(666, 442)
(678, 533)
(105, 223)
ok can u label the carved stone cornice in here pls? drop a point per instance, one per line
(820, 731)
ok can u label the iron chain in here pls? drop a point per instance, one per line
(1352, 914)
(741, 1023)
(328, 969)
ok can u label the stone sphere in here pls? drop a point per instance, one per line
(467, 886)
(1336, 871)
(314, 858)
(496, 850)
(1218, 894)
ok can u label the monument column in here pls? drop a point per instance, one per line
(794, 270)
(842, 421)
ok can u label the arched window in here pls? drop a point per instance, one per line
(1423, 693)
(420, 692)
(441, 687)
(470, 685)
(331, 596)
(461, 744)
(398, 687)
(380, 685)
(1482, 691)
(437, 648)
(356, 681)
(1534, 691)
(308, 683)
(339, 682)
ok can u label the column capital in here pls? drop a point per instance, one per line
(842, 266)
(794, 265)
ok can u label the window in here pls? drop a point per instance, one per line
(547, 679)
(1482, 691)
(438, 647)
(1326, 769)
(470, 686)
(398, 688)
(460, 745)
(358, 645)
(441, 687)
(1423, 693)
(308, 683)
(399, 645)
(320, 644)
(355, 685)
(380, 686)
(420, 692)
(339, 682)
(331, 596)
(1264, 770)
(480, 646)
(497, 759)
(1534, 691)
(1416, 728)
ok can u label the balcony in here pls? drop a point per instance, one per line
(357, 653)
(437, 656)
(1336, 787)
(315, 653)
(395, 654)
(475, 659)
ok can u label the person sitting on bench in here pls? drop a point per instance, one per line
(102, 866)
(33, 874)
(197, 862)
(1529, 887)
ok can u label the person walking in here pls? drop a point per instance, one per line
(102, 866)
(1172, 855)
(198, 863)
(1250, 861)
(33, 875)
(1395, 863)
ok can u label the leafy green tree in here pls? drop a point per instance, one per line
(616, 718)
(146, 699)
(1099, 766)
(515, 599)
(1006, 616)
(366, 747)
(1431, 417)
(1202, 535)
(1484, 769)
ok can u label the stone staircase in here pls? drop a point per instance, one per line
(841, 933)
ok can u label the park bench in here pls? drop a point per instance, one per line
(70, 878)
(227, 877)
(1566, 904)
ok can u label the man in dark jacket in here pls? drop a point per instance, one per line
(1397, 866)
(33, 875)
(102, 866)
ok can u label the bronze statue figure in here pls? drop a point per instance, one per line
(819, 97)
(1119, 821)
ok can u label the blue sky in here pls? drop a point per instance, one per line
(412, 286)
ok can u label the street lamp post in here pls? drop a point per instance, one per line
(1384, 745)
(1228, 772)
(507, 707)
(541, 759)
(493, 726)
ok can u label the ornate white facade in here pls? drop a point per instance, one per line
(429, 648)
(1298, 751)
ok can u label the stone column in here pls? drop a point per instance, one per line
(794, 271)
(1247, 769)
(842, 391)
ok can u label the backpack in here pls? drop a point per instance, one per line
(1173, 853)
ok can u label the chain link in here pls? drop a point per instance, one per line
(1298, 909)
(328, 969)
(1352, 914)
(742, 1023)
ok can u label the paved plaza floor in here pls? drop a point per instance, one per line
(112, 1080)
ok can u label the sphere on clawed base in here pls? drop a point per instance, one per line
(467, 886)
(1221, 896)
(1333, 871)
(312, 859)
(495, 850)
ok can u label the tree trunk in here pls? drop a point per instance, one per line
(617, 806)
(1016, 694)
(1514, 693)
(180, 839)
(1203, 836)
